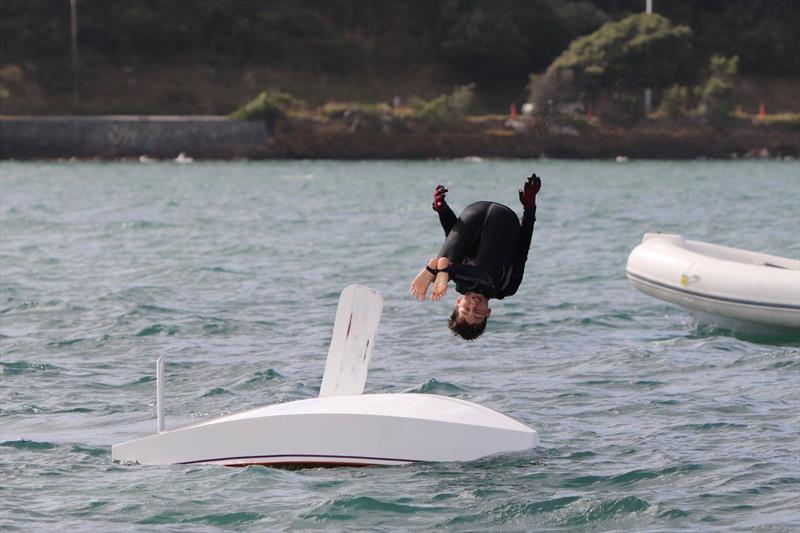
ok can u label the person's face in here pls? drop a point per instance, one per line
(473, 308)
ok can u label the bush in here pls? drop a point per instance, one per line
(674, 101)
(445, 107)
(344, 109)
(487, 37)
(620, 58)
(718, 94)
(624, 109)
(267, 106)
(789, 121)
(638, 51)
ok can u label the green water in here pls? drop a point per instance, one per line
(233, 270)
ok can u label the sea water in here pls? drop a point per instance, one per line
(232, 270)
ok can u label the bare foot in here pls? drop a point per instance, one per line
(439, 286)
(420, 284)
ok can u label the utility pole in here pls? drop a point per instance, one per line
(73, 23)
(648, 93)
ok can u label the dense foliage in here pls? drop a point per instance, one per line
(674, 101)
(718, 91)
(446, 106)
(597, 45)
(267, 106)
(612, 65)
(481, 38)
(638, 51)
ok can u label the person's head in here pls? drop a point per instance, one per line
(469, 316)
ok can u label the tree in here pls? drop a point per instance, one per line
(620, 58)
(504, 38)
(718, 92)
(267, 106)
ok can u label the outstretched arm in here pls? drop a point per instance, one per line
(446, 216)
(527, 196)
(430, 274)
(523, 245)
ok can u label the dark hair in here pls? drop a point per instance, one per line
(462, 329)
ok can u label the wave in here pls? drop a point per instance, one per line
(21, 367)
(260, 377)
(586, 454)
(648, 384)
(65, 342)
(90, 451)
(571, 511)
(607, 510)
(145, 379)
(50, 306)
(220, 270)
(785, 364)
(787, 337)
(349, 508)
(219, 327)
(708, 426)
(219, 520)
(24, 444)
(227, 519)
(433, 386)
(146, 224)
(157, 329)
(79, 410)
(216, 391)
(512, 511)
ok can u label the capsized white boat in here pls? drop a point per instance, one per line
(745, 291)
(342, 427)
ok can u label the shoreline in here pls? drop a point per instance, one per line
(117, 137)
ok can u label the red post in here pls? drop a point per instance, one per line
(513, 111)
(761, 110)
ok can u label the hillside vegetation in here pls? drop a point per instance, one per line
(212, 56)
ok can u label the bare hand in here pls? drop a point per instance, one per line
(439, 287)
(419, 286)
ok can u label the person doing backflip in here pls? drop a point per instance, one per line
(484, 253)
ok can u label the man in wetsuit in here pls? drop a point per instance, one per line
(484, 252)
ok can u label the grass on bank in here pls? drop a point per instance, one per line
(786, 120)
(272, 106)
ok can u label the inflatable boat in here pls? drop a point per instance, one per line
(740, 290)
(341, 427)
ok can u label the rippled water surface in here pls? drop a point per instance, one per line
(233, 270)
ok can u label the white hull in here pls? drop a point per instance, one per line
(727, 287)
(372, 429)
(342, 427)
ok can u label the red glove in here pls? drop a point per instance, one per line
(527, 195)
(438, 198)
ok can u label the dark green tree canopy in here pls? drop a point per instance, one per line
(482, 37)
(638, 51)
(494, 43)
(507, 37)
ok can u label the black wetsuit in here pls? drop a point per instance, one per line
(487, 247)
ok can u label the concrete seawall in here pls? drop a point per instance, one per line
(211, 137)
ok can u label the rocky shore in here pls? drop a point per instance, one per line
(509, 139)
(159, 137)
